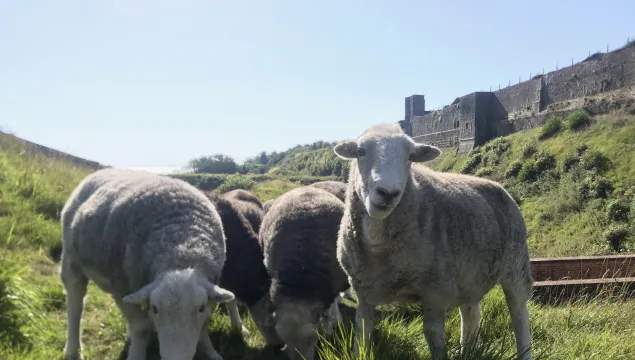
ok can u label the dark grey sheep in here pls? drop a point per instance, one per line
(156, 244)
(299, 235)
(243, 195)
(244, 273)
(416, 235)
(337, 188)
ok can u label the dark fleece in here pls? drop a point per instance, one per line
(299, 234)
(337, 188)
(244, 272)
(243, 195)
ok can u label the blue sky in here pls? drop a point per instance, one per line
(149, 83)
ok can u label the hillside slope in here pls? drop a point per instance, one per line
(575, 186)
(33, 309)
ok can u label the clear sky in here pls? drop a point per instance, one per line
(151, 83)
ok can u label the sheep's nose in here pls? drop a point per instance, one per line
(388, 195)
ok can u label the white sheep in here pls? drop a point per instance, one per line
(442, 240)
(156, 244)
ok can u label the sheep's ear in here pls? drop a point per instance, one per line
(346, 150)
(424, 153)
(217, 294)
(141, 295)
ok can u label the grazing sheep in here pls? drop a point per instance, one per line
(249, 205)
(337, 188)
(416, 235)
(244, 273)
(299, 235)
(243, 195)
(156, 244)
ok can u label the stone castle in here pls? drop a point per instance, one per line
(476, 118)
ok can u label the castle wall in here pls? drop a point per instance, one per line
(520, 97)
(482, 116)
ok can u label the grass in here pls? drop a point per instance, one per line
(566, 184)
(33, 309)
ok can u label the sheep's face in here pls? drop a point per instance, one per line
(383, 167)
(177, 305)
(261, 312)
(297, 324)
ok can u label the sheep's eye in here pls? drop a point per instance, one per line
(202, 308)
(361, 152)
(155, 310)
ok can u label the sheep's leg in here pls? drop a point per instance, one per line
(139, 329)
(234, 317)
(434, 331)
(517, 291)
(335, 318)
(470, 321)
(364, 323)
(205, 344)
(75, 286)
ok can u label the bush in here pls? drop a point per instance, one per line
(580, 149)
(498, 146)
(513, 169)
(471, 163)
(544, 162)
(616, 235)
(529, 150)
(577, 120)
(205, 182)
(528, 172)
(569, 161)
(617, 210)
(596, 188)
(594, 160)
(490, 159)
(484, 171)
(234, 182)
(551, 128)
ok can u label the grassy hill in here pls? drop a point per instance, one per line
(32, 303)
(574, 179)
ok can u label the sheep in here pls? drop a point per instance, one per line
(243, 195)
(267, 205)
(244, 272)
(157, 246)
(299, 234)
(253, 213)
(439, 239)
(337, 188)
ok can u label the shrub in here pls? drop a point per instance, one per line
(544, 162)
(617, 210)
(577, 120)
(513, 169)
(471, 163)
(528, 171)
(205, 182)
(594, 187)
(234, 182)
(490, 159)
(529, 150)
(484, 171)
(569, 161)
(498, 146)
(580, 149)
(551, 128)
(594, 160)
(616, 235)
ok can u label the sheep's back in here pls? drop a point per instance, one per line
(299, 235)
(133, 224)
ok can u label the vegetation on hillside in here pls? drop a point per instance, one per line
(574, 179)
(316, 159)
(32, 302)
